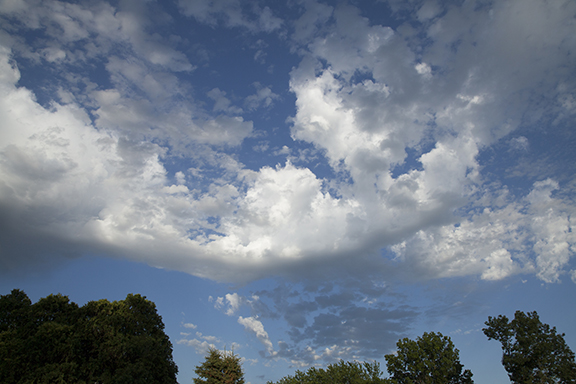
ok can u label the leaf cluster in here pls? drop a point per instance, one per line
(54, 340)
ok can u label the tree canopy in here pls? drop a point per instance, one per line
(343, 372)
(55, 340)
(220, 367)
(431, 359)
(532, 352)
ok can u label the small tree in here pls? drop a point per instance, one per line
(532, 352)
(220, 367)
(431, 359)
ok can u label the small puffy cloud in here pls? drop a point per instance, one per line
(232, 301)
(500, 265)
(428, 10)
(222, 103)
(264, 97)
(520, 143)
(200, 346)
(268, 22)
(180, 177)
(54, 54)
(424, 70)
(201, 343)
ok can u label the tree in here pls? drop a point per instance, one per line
(532, 352)
(220, 367)
(432, 358)
(13, 310)
(126, 342)
(55, 341)
(344, 372)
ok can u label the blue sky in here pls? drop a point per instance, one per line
(301, 181)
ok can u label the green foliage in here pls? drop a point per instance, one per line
(220, 367)
(350, 372)
(55, 341)
(431, 359)
(532, 351)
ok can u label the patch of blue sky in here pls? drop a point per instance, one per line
(519, 160)
(50, 84)
(382, 13)
(411, 162)
(234, 59)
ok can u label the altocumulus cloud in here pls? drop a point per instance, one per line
(424, 146)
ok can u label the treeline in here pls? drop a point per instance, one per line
(56, 341)
(533, 353)
(430, 359)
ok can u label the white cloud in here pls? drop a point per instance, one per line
(500, 241)
(520, 143)
(201, 343)
(222, 103)
(200, 346)
(553, 228)
(97, 27)
(264, 97)
(255, 326)
(233, 302)
(424, 70)
(142, 119)
(405, 129)
(500, 265)
(463, 115)
(428, 11)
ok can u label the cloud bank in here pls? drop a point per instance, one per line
(417, 122)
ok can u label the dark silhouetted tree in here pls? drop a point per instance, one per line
(431, 359)
(343, 372)
(532, 352)
(55, 341)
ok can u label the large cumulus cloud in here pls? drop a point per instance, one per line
(404, 117)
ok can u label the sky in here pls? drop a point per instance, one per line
(301, 181)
